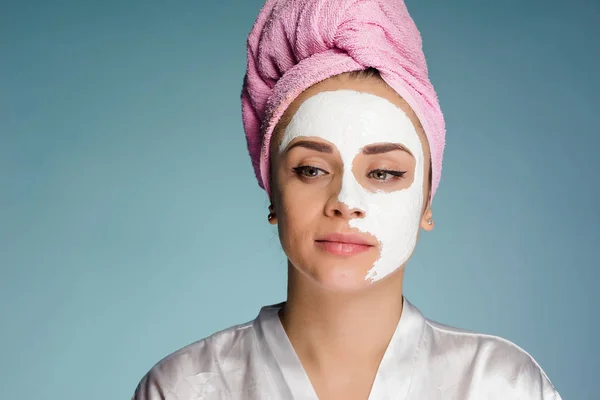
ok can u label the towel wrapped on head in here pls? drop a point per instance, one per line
(295, 44)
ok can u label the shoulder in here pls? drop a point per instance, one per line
(197, 368)
(496, 364)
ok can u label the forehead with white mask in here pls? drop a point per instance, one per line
(351, 120)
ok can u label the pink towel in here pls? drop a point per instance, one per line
(297, 43)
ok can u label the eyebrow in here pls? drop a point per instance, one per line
(381, 148)
(372, 149)
(320, 147)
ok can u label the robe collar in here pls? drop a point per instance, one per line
(394, 375)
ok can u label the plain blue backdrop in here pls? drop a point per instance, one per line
(131, 223)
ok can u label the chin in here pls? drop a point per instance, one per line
(342, 275)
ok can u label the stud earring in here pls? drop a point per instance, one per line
(429, 222)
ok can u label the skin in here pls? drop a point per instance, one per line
(329, 314)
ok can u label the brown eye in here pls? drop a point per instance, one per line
(385, 175)
(308, 171)
(379, 175)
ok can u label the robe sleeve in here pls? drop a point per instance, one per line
(149, 388)
(534, 384)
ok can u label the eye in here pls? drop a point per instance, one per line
(385, 175)
(308, 171)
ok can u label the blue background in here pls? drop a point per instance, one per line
(131, 223)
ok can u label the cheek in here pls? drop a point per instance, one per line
(392, 217)
(298, 210)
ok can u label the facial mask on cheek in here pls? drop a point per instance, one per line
(351, 120)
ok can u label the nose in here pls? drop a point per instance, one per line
(336, 208)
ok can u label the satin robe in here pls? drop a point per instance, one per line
(425, 360)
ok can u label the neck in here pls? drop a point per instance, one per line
(328, 329)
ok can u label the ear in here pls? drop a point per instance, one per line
(427, 220)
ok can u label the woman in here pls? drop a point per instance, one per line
(346, 136)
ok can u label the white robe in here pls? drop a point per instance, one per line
(425, 360)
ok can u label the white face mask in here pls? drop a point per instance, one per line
(351, 120)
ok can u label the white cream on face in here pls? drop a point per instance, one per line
(351, 120)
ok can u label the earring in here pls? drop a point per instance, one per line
(429, 222)
(271, 213)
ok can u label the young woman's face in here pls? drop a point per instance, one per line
(349, 187)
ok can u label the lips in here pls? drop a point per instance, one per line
(344, 244)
